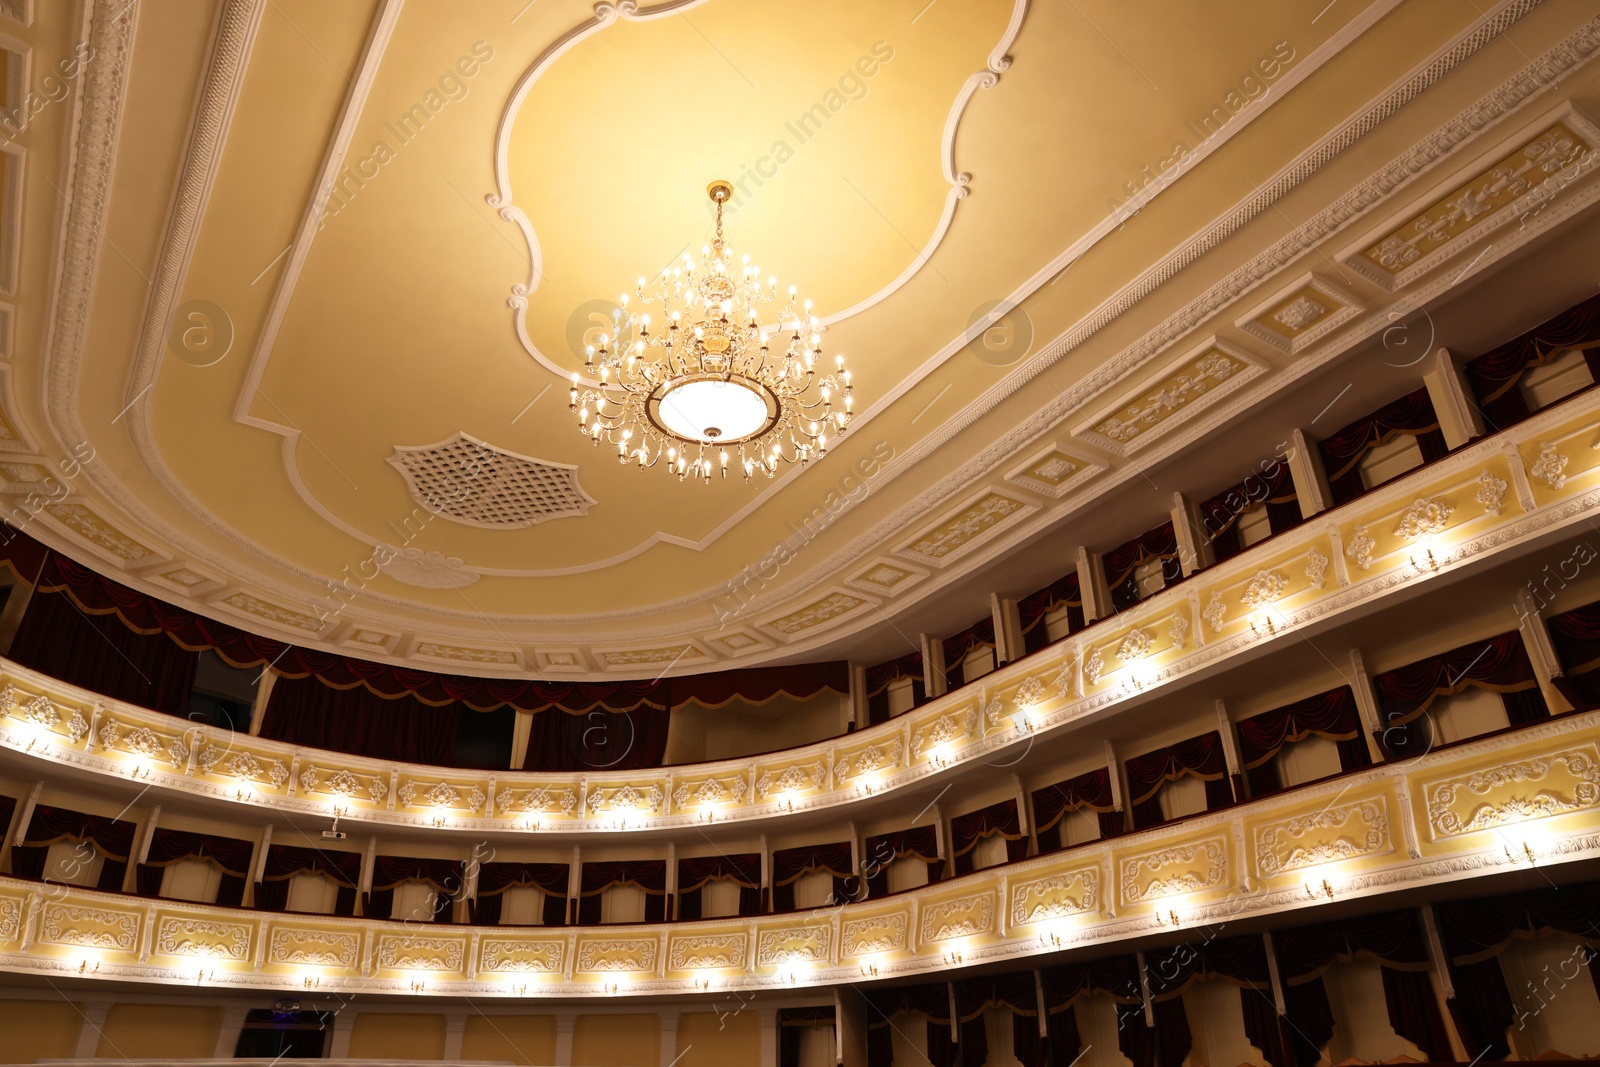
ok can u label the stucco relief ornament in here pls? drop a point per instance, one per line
(110, 735)
(1491, 493)
(1549, 466)
(41, 712)
(1178, 629)
(1064, 679)
(1216, 612)
(343, 782)
(1136, 645)
(1029, 693)
(1265, 588)
(309, 779)
(1360, 548)
(1094, 667)
(8, 701)
(377, 790)
(991, 714)
(77, 727)
(1317, 568)
(1424, 518)
(242, 765)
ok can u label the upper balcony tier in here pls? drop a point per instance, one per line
(1497, 497)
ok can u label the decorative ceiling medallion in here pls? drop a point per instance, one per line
(367, 637)
(477, 484)
(427, 570)
(461, 654)
(667, 655)
(959, 534)
(1481, 203)
(90, 527)
(1310, 310)
(888, 577)
(273, 613)
(830, 608)
(1212, 372)
(1054, 472)
(739, 642)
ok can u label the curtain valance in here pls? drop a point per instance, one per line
(919, 841)
(174, 846)
(389, 872)
(979, 635)
(1158, 543)
(497, 877)
(112, 838)
(1476, 930)
(1090, 791)
(967, 830)
(1394, 939)
(881, 676)
(1200, 756)
(1331, 715)
(1272, 484)
(789, 864)
(1499, 664)
(744, 870)
(286, 861)
(1116, 977)
(1496, 373)
(1576, 636)
(648, 875)
(1411, 414)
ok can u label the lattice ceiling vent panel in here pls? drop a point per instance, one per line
(477, 484)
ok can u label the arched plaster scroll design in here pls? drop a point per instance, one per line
(608, 14)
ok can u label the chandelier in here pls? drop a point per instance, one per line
(727, 376)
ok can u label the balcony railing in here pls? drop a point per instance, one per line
(1527, 798)
(1535, 479)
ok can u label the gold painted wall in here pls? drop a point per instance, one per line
(159, 1031)
(617, 1041)
(39, 1029)
(510, 1038)
(398, 1037)
(708, 1040)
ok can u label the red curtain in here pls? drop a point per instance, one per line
(391, 872)
(1061, 593)
(1014, 991)
(979, 635)
(883, 849)
(495, 878)
(1494, 375)
(1343, 451)
(932, 1002)
(1331, 715)
(112, 838)
(172, 846)
(967, 830)
(306, 711)
(1241, 960)
(1576, 636)
(1271, 487)
(285, 861)
(1200, 756)
(1499, 664)
(97, 651)
(1119, 564)
(743, 870)
(1087, 792)
(789, 864)
(648, 875)
(598, 740)
(881, 676)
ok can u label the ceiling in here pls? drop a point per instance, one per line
(275, 264)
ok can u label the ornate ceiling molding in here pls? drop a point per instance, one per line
(105, 109)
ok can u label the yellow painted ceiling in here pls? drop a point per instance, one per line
(356, 279)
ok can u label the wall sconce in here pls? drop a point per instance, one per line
(85, 967)
(611, 989)
(1170, 919)
(708, 815)
(1049, 940)
(140, 770)
(863, 789)
(1266, 628)
(520, 989)
(1527, 850)
(312, 981)
(1425, 562)
(1325, 890)
(702, 984)
(791, 977)
(202, 974)
(42, 743)
(953, 957)
(532, 824)
(869, 970)
(785, 804)
(244, 794)
(418, 985)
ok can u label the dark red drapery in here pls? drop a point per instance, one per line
(494, 879)
(979, 635)
(305, 711)
(996, 819)
(883, 675)
(111, 838)
(1494, 375)
(1158, 543)
(1499, 664)
(1331, 715)
(1200, 756)
(167, 847)
(744, 869)
(1343, 450)
(285, 861)
(598, 740)
(790, 864)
